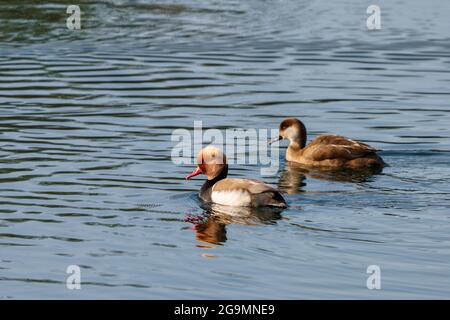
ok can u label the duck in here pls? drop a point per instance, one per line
(231, 191)
(326, 151)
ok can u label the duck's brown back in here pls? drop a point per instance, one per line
(337, 151)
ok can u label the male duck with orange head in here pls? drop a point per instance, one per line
(232, 192)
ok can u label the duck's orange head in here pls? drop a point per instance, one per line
(210, 162)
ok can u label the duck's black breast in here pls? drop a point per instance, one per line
(206, 190)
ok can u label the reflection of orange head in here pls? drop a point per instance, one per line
(211, 232)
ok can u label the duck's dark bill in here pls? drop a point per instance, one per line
(274, 140)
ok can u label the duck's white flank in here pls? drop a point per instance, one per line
(236, 198)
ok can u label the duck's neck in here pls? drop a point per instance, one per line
(298, 142)
(205, 191)
(296, 147)
(293, 151)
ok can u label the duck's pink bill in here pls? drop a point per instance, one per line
(194, 173)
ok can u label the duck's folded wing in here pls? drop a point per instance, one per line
(248, 185)
(336, 147)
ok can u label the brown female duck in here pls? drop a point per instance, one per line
(326, 151)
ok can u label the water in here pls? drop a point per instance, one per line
(86, 176)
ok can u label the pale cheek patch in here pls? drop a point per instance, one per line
(236, 198)
(290, 133)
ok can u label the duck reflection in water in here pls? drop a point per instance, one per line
(211, 227)
(293, 177)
